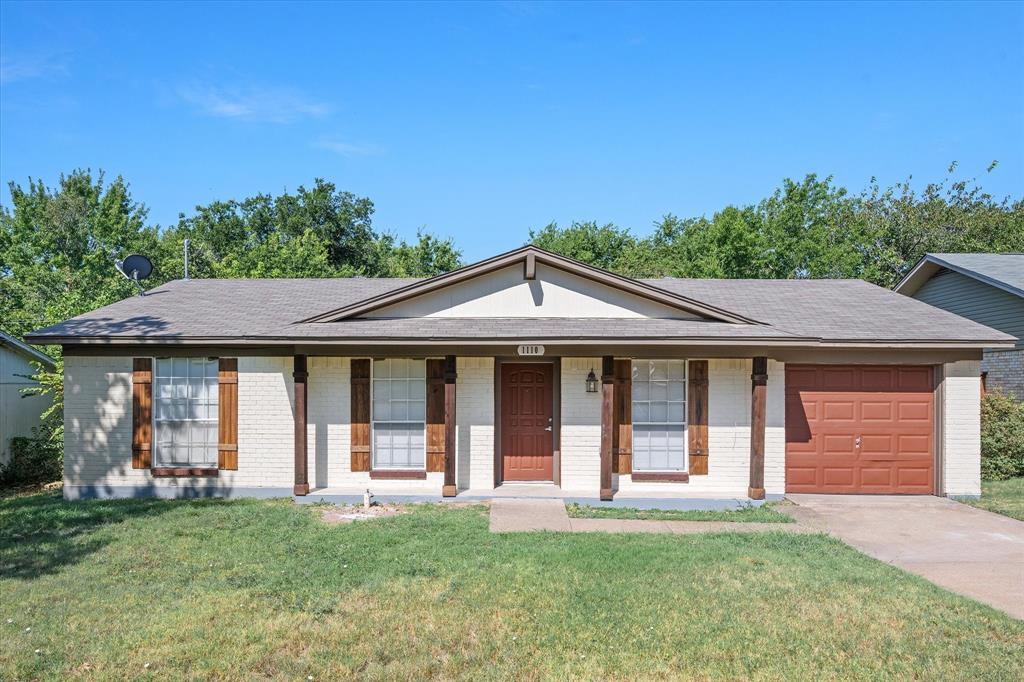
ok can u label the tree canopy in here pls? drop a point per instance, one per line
(805, 229)
(58, 244)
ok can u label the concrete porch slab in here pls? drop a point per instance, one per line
(407, 494)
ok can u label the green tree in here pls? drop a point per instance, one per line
(58, 246)
(598, 245)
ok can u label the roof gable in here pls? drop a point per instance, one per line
(531, 282)
(1003, 271)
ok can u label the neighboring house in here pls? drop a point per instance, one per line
(19, 413)
(524, 367)
(984, 287)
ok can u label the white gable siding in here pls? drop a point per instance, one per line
(554, 293)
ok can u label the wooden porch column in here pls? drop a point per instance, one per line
(300, 374)
(758, 391)
(607, 424)
(450, 489)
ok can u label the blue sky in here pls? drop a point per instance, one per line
(480, 121)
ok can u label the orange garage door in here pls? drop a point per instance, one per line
(859, 429)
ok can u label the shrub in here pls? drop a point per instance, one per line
(1002, 437)
(35, 459)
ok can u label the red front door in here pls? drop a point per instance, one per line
(527, 443)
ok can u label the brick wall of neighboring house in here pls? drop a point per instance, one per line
(1004, 371)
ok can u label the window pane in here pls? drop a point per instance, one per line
(399, 389)
(676, 390)
(186, 411)
(659, 390)
(659, 415)
(641, 391)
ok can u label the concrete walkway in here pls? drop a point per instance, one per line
(966, 550)
(511, 515)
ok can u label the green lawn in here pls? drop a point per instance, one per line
(1002, 497)
(255, 589)
(762, 514)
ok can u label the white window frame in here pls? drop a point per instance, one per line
(374, 466)
(685, 407)
(158, 461)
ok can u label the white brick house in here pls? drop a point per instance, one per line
(524, 367)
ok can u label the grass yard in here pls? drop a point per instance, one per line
(762, 514)
(256, 589)
(1002, 497)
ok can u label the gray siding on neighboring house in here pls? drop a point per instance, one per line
(18, 413)
(992, 307)
(976, 301)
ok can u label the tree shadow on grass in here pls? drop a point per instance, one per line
(41, 534)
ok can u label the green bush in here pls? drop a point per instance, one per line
(36, 459)
(1002, 437)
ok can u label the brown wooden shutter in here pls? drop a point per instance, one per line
(435, 415)
(622, 434)
(227, 422)
(697, 428)
(142, 413)
(360, 415)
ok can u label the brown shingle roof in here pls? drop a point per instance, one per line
(827, 310)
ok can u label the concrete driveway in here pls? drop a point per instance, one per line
(969, 551)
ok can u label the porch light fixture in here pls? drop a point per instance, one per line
(591, 382)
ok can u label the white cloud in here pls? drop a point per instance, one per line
(347, 149)
(266, 104)
(27, 66)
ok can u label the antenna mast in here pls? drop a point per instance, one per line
(186, 259)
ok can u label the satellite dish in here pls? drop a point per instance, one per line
(137, 267)
(134, 268)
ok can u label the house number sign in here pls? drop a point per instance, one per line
(530, 349)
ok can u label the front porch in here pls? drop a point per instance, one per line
(588, 434)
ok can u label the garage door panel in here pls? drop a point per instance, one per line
(837, 379)
(876, 379)
(890, 409)
(876, 477)
(838, 476)
(876, 411)
(915, 379)
(915, 410)
(877, 446)
(837, 445)
(838, 410)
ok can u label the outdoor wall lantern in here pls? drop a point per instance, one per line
(591, 382)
